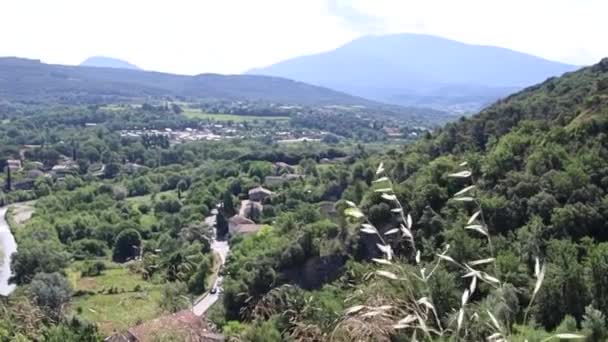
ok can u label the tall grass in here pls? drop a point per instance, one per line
(415, 314)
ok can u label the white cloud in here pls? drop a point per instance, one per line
(231, 36)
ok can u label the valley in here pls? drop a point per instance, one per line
(379, 186)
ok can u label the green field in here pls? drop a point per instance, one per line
(148, 198)
(198, 114)
(120, 310)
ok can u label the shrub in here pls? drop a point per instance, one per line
(51, 292)
(89, 247)
(594, 325)
(93, 269)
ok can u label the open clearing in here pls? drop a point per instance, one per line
(19, 213)
(117, 311)
(198, 114)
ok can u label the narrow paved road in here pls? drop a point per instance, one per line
(8, 247)
(221, 248)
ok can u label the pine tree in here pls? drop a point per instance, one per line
(8, 178)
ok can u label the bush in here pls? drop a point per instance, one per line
(140, 186)
(262, 331)
(568, 325)
(171, 206)
(143, 208)
(93, 269)
(173, 297)
(120, 193)
(89, 247)
(594, 325)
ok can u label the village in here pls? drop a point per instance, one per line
(217, 132)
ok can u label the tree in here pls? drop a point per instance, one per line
(174, 297)
(598, 267)
(221, 225)
(169, 205)
(197, 231)
(51, 292)
(140, 186)
(127, 245)
(89, 247)
(380, 213)
(228, 204)
(176, 108)
(8, 186)
(33, 257)
(197, 282)
(564, 290)
(262, 331)
(73, 329)
(594, 324)
(254, 212)
(330, 139)
(182, 186)
(111, 170)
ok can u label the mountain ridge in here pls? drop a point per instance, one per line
(383, 67)
(28, 79)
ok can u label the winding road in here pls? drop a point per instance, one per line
(8, 246)
(221, 248)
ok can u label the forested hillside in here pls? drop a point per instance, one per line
(35, 82)
(527, 177)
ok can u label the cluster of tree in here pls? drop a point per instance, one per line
(246, 108)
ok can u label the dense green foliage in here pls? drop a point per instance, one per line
(539, 161)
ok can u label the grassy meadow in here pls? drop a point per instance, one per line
(192, 113)
(121, 298)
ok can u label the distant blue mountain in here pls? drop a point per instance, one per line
(419, 69)
(108, 62)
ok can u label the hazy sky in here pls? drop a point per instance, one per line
(231, 36)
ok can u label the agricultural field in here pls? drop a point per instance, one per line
(192, 113)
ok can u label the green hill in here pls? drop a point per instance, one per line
(542, 152)
(574, 101)
(33, 82)
(539, 161)
(24, 80)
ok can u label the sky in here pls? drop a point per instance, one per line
(232, 36)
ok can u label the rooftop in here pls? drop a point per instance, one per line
(238, 220)
(247, 228)
(260, 189)
(184, 322)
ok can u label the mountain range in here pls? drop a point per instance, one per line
(420, 70)
(27, 80)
